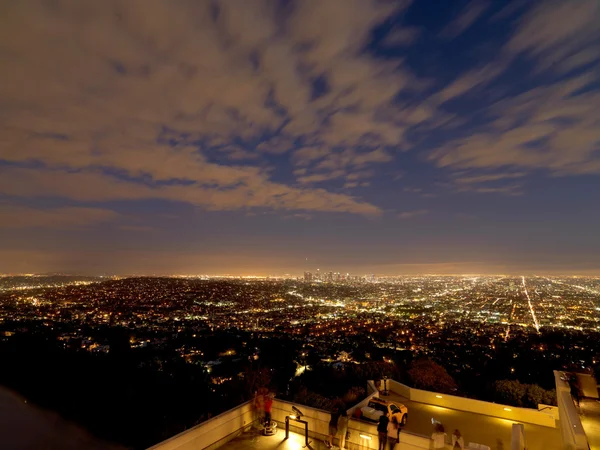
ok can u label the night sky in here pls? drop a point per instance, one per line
(272, 137)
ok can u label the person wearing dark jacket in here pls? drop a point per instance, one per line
(384, 420)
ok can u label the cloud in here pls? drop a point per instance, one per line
(136, 228)
(13, 216)
(349, 164)
(277, 145)
(551, 127)
(402, 36)
(105, 86)
(477, 179)
(562, 35)
(466, 18)
(320, 177)
(237, 153)
(201, 106)
(100, 187)
(513, 189)
(469, 81)
(412, 214)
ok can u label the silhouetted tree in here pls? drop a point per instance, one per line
(512, 392)
(255, 379)
(426, 374)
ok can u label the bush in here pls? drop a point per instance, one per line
(426, 374)
(512, 392)
(308, 398)
(353, 396)
(509, 392)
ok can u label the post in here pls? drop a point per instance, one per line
(305, 432)
(518, 437)
(287, 427)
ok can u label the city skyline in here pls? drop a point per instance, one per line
(205, 346)
(273, 137)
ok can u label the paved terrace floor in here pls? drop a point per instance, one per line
(254, 440)
(491, 431)
(589, 413)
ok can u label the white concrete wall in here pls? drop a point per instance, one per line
(571, 429)
(318, 419)
(518, 437)
(371, 388)
(399, 388)
(545, 418)
(516, 414)
(214, 432)
(549, 409)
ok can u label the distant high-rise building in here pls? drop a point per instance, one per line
(308, 276)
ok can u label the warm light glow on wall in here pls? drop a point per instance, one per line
(507, 409)
(438, 396)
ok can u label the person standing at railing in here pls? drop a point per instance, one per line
(268, 408)
(335, 415)
(457, 440)
(393, 432)
(342, 428)
(382, 427)
(439, 435)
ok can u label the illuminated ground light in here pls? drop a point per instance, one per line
(507, 409)
(438, 396)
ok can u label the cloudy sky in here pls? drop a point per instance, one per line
(254, 137)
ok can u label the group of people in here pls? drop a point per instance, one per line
(439, 436)
(388, 431)
(338, 426)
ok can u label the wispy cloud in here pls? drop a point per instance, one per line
(402, 36)
(210, 104)
(465, 18)
(551, 125)
(559, 35)
(21, 217)
(99, 187)
(108, 82)
(512, 189)
(478, 179)
(412, 214)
